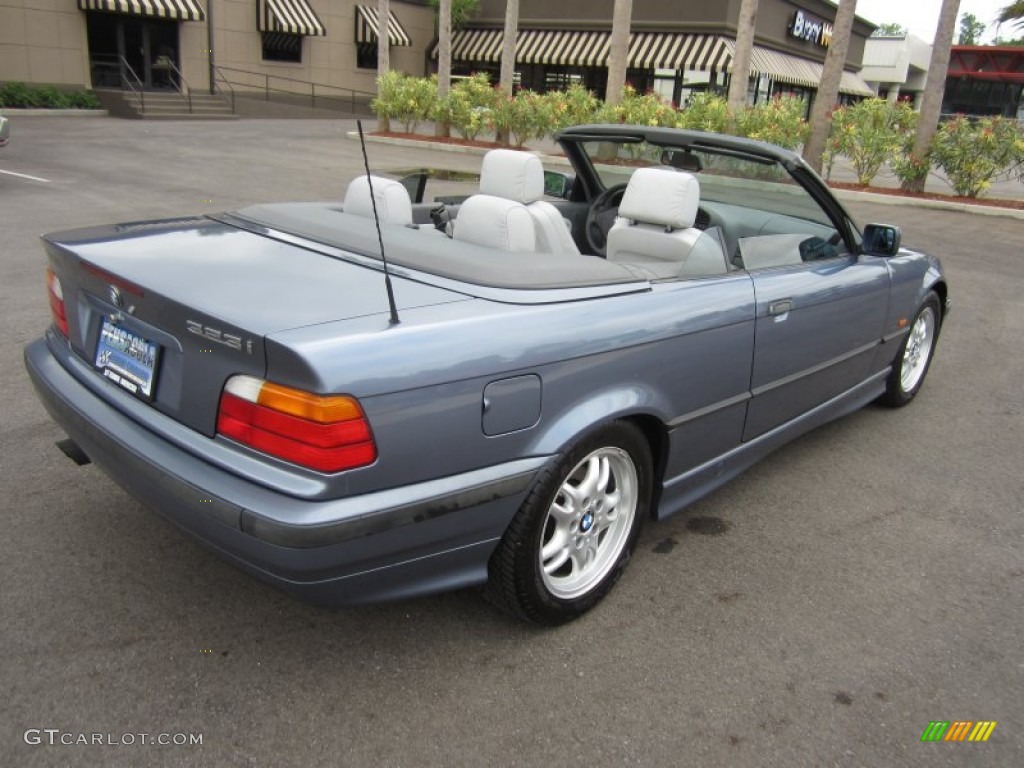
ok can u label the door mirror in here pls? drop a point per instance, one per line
(882, 239)
(557, 184)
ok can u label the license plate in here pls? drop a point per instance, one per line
(127, 359)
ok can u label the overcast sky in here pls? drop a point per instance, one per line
(921, 16)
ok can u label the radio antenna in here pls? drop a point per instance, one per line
(376, 219)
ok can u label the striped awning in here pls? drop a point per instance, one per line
(669, 50)
(294, 17)
(475, 45)
(786, 68)
(182, 10)
(368, 27)
(854, 84)
(575, 48)
(561, 47)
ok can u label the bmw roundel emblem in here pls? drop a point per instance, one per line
(115, 297)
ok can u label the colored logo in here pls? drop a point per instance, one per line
(958, 730)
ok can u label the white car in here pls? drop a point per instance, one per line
(5, 131)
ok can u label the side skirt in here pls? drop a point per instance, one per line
(682, 490)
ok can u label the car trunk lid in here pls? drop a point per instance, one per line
(192, 300)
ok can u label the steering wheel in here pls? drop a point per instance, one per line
(601, 216)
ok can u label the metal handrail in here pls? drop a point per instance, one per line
(140, 92)
(312, 86)
(227, 82)
(183, 87)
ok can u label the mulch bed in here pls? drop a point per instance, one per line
(988, 201)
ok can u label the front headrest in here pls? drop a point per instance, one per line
(393, 203)
(513, 175)
(660, 196)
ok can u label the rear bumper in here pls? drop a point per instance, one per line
(402, 542)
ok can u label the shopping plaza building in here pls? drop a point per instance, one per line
(676, 48)
(89, 43)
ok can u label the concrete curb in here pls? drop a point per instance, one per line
(841, 194)
(15, 112)
(426, 144)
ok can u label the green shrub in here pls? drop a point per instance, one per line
(972, 153)
(469, 106)
(778, 121)
(705, 112)
(574, 106)
(385, 104)
(908, 167)
(509, 116)
(870, 133)
(19, 95)
(639, 109)
(406, 99)
(82, 100)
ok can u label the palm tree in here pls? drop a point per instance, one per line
(1013, 12)
(383, 51)
(740, 79)
(508, 56)
(934, 89)
(618, 51)
(828, 89)
(444, 59)
(508, 45)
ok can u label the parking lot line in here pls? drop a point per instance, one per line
(25, 176)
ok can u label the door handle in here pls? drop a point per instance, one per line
(780, 307)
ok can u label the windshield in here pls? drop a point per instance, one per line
(735, 179)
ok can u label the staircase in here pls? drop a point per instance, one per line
(165, 105)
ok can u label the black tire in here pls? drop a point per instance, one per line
(596, 555)
(910, 369)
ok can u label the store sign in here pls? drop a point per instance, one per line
(811, 28)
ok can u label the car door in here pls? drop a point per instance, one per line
(817, 329)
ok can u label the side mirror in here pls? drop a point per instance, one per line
(557, 184)
(882, 239)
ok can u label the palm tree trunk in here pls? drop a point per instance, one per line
(618, 52)
(508, 57)
(383, 52)
(935, 87)
(740, 79)
(444, 59)
(828, 89)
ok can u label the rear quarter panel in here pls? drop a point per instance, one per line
(678, 349)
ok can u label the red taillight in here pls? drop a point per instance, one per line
(328, 434)
(56, 294)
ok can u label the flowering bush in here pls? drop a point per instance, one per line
(637, 109)
(516, 115)
(973, 153)
(778, 121)
(404, 98)
(705, 112)
(576, 106)
(385, 105)
(469, 107)
(907, 166)
(871, 132)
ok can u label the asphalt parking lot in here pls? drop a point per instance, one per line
(819, 611)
